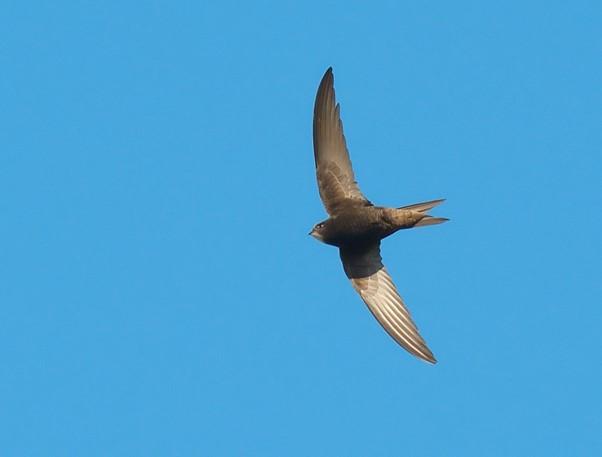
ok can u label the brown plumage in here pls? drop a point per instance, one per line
(356, 226)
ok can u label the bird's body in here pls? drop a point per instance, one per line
(362, 224)
(357, 227)
(355, 224)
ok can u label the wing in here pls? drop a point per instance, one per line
(371, 280)
(336, 181)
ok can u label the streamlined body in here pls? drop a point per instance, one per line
(356, 226)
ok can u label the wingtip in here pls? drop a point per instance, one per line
(328, 76)
(325, 99)
(432, 360)
(427, 357)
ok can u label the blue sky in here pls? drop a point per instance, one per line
(160, 295)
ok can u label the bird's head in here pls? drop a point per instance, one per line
(318, 231)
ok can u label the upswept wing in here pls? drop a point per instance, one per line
(336, 180)
(371, 280)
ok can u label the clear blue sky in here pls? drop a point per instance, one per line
(160, 296)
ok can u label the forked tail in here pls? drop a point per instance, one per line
(423, 208)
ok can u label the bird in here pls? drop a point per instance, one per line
(356, 226)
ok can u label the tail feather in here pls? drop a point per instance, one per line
(424, 206)
(418, 216)
(430, 220)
